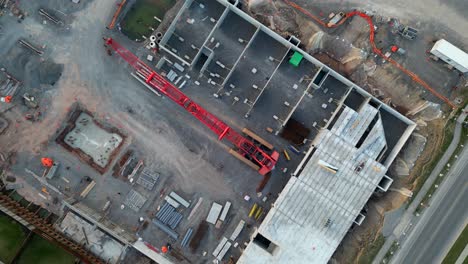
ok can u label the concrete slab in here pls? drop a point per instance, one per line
(135, 200)
(92, 237)
(94, 141)
(225, 44)
(255, 69)
(283, 92)
(193, 28)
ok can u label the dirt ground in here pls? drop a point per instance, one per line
(76, 68)
(360, 238)
(349, 45)
(379, 78)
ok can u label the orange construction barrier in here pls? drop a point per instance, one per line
(377, 51)
(116, 14)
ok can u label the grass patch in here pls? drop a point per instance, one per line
(11, 238)
(452, 160)
(41, 251)
(457, 248)
(427, 170)
(371, 250)
(140, 18)
(389, 255)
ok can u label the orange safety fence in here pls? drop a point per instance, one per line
(377, 51)
(116, 14)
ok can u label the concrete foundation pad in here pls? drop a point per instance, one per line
(93, 140)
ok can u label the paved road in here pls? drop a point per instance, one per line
(408, 220)
(442, 222)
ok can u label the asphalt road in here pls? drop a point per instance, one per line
(410, 227)
(443, 221)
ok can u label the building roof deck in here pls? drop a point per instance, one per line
(224, 42)
(319, 205)
(351, 123)
(255, 67)
(283, 92)
(200, 18)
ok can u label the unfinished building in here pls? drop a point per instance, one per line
(90, 141)
(346, 138)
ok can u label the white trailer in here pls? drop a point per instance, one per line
(452, 55)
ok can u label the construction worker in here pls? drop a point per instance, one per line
(47, 162)
(164, 249)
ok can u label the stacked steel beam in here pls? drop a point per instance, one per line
(187, 237)
(169, 216)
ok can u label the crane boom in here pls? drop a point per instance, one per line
(245, 147)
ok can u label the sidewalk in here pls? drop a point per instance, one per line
(462, 256)
(401, 229)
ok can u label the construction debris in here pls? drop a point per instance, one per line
(168, 216)
(187, 237)
(238, 230)
(166, 229)
(8, 86)
(148, 179)
(52, 170)
(131, 176)
(135, 200)
(88, 188)
(195, 208)
(225, 211)
(222, 248)
(28, 45)
(48, 16)
(3, 124)
(179, 199)
(30, 101)
(214, 213)
(121, 165)
(92, 237)
(172, 202)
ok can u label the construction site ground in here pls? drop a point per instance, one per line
(75, 70)
(337, 48)
(340, 44)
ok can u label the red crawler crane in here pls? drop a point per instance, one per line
(246, 150)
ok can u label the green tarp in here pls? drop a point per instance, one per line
(296, 59)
